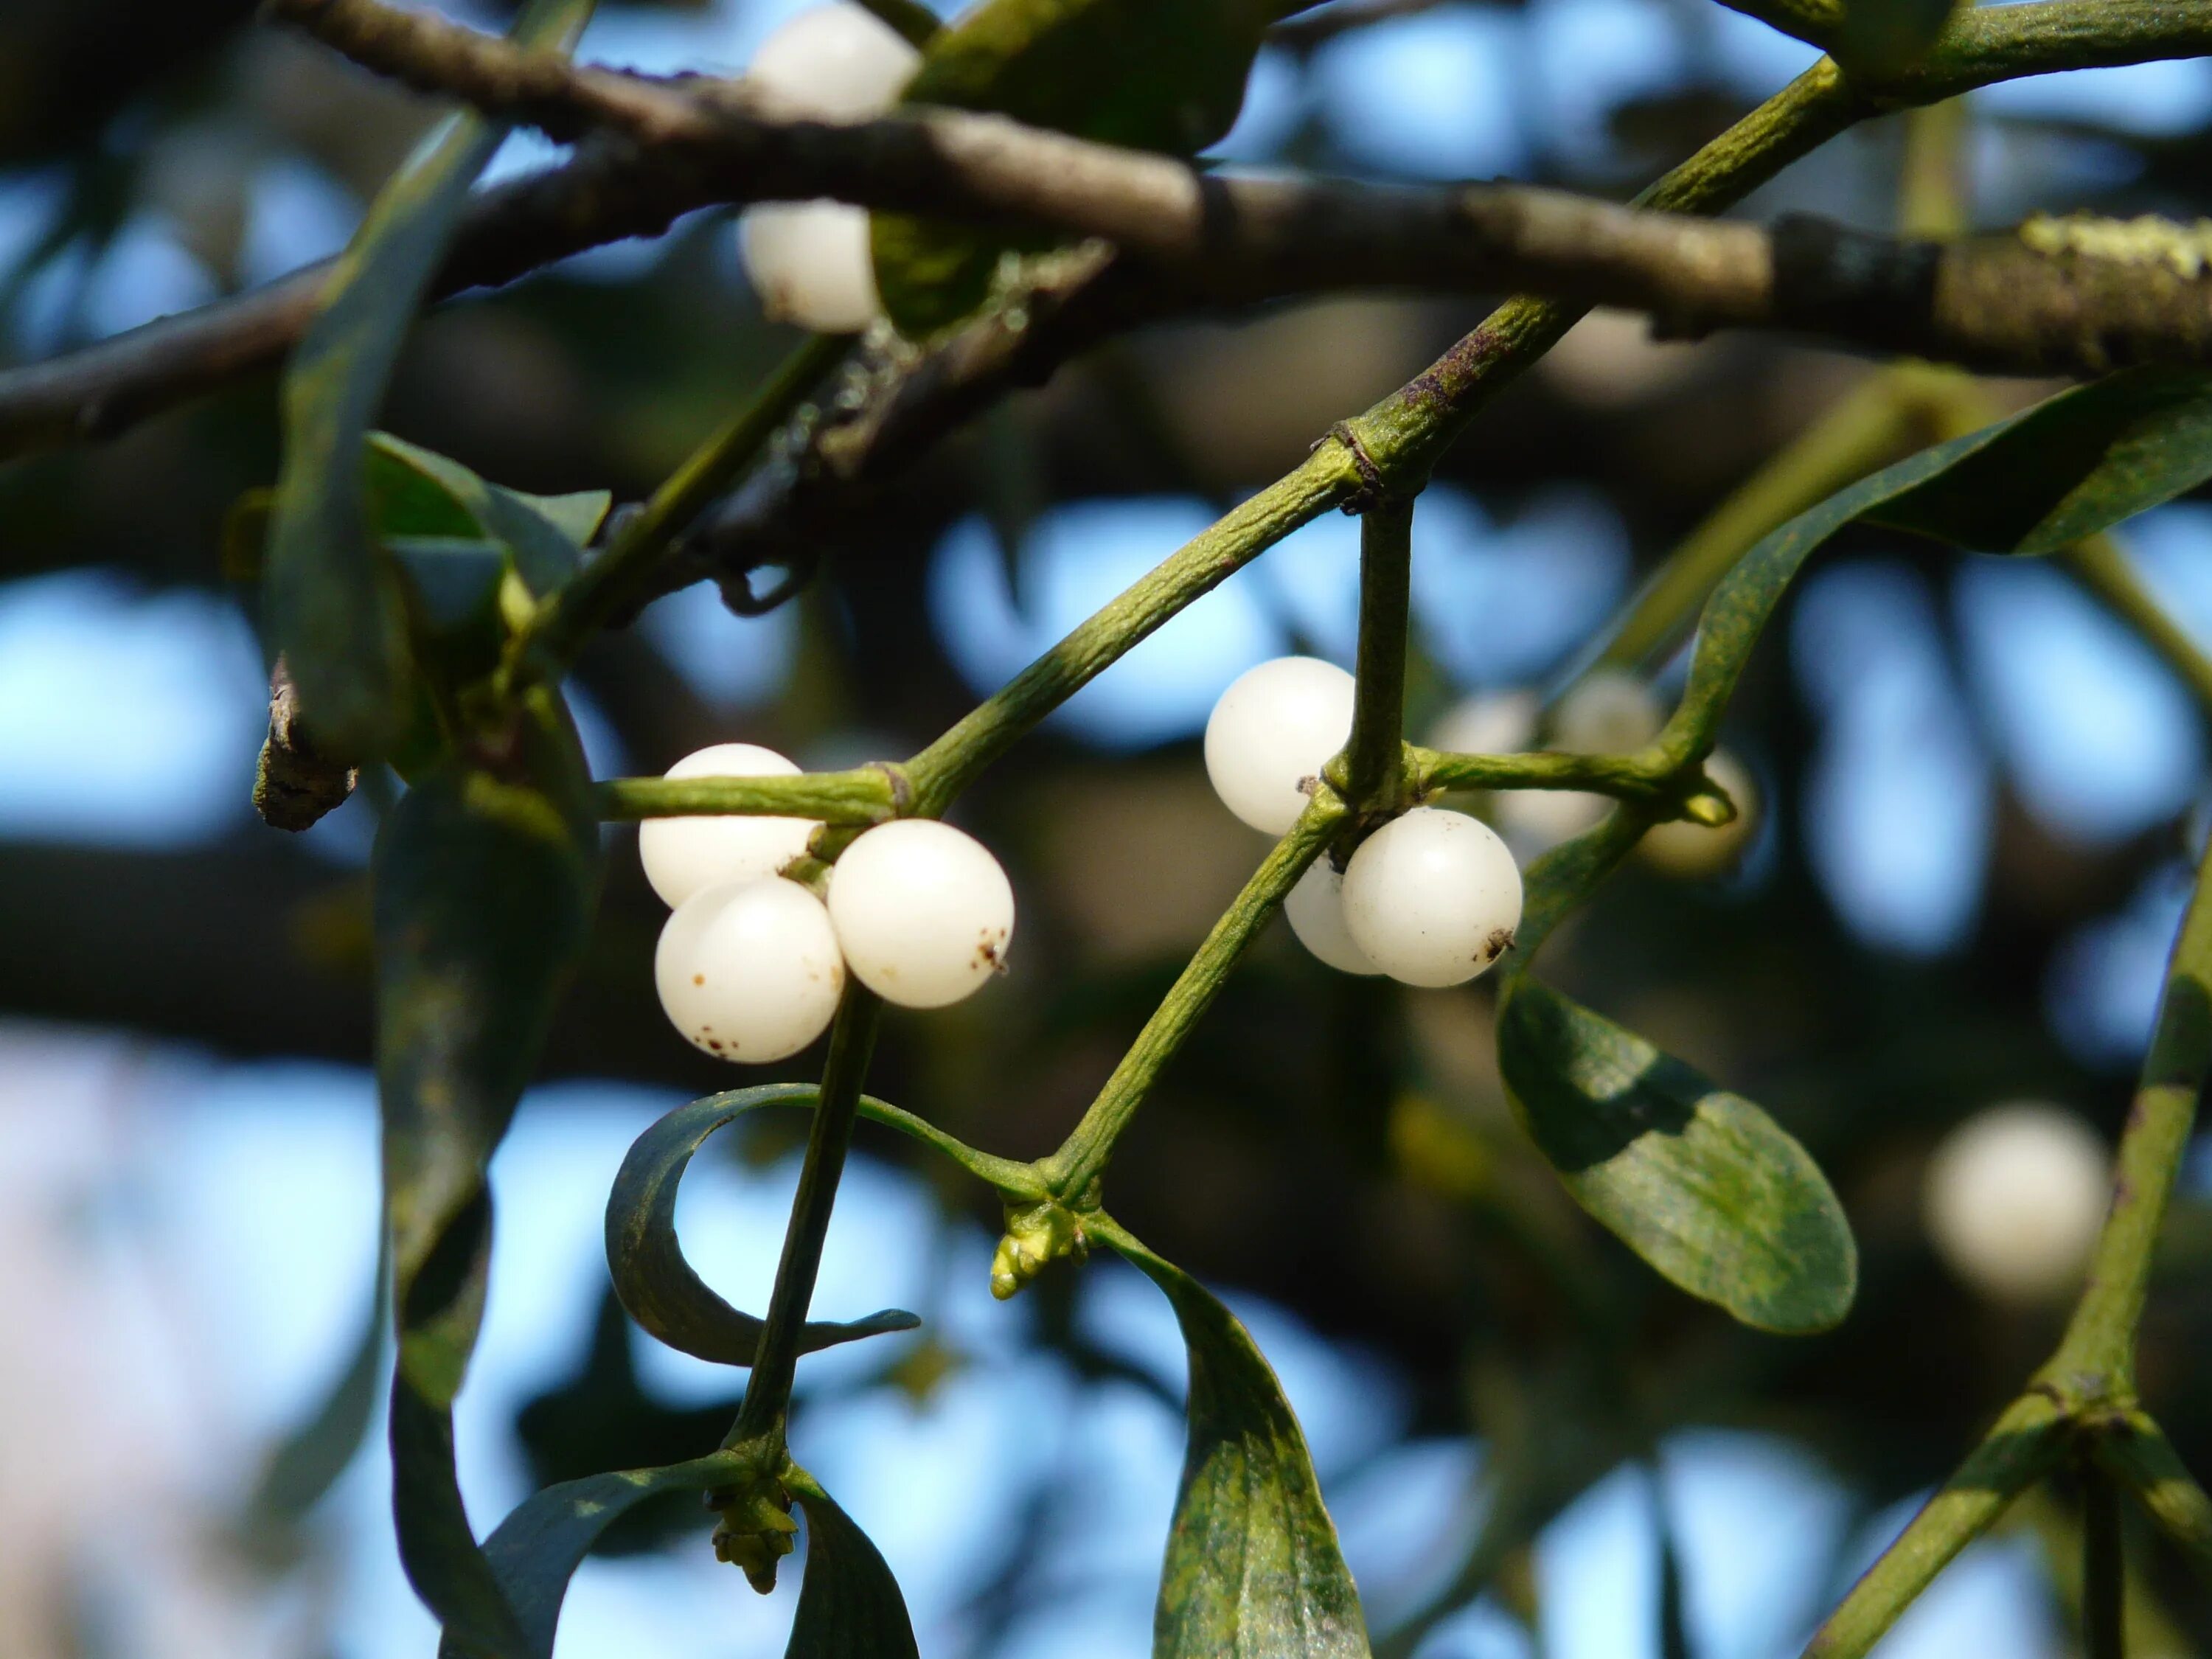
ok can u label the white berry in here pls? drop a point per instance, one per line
(1315, 910)
(1493, 723)
(2014, 1200)
(834, 63)
(683, 856)
(925, 913)
(1690, 851)
(1275, 726)
(1609, 712)
(810, 261)
(1432, 897)
(749, 970)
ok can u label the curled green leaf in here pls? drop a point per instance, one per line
(536, 1550)
(1253, 1568)
(849, 1606)
(1698, 1181)
(651, 1275)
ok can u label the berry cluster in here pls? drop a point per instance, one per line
(751, 965)
(1431, 898)
(810, 261)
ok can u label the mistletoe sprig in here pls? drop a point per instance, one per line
(427, 617)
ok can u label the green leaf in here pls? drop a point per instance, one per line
(454, 581)
(654, 1281)
(1253, 1569)
(329, 602)
(849, 1606)
(1698, 1181)
(2075, 464)
(535, 530)
(484, 878)
(536, 1550)
(1159, 75)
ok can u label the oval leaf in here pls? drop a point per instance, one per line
(654, 1281)
(485, 885)
(537, 1548)
(849, 1605)
(1698, 1181)
(1160, 75)
(1253, 1568)
(330, 603)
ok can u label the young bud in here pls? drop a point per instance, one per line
(1036, 1234)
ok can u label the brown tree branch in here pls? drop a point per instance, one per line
(613, 189)
(2083, 301)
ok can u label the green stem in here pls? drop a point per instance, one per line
(768, 1389)
(865, 795)
(2135, 1451)
(2096, 1358)
(914, 22)
(2025, 1443)
(1072, 1170)
(1872, 426)
(1816, 22)
(940, 772)
(1375, 758)
(1630, 777)
(1932, 186)
(2104, 1569)
(614, 580)
(2110, 577)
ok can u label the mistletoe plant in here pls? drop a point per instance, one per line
(1005, 191)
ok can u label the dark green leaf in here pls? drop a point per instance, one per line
(654, 1281)
(454, 581)
(331, 606)
(1700, 1183)
(1253, 1569)
(1160, 75)
(484, 879)
(2075, 464)
(537, 1548)
(849, 1606)
(535, 530)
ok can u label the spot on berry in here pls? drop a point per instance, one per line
(698, 979)
(1499, 942)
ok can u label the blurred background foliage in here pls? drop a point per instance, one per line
(1980, 794)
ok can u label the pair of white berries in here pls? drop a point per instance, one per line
(1608, 711)
(809, 262)
(2014, 1199)
(1431, 898)
(750, 966)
